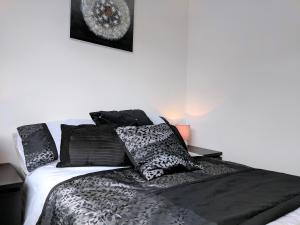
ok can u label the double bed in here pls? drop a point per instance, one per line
(128, 169)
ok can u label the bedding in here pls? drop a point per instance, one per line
(38, 145)
(122, 118)
(55, 130)
(222, 193)
(155, 150)
(39, 183)
(89, 145)
(292, 218)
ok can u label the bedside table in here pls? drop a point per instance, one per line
(197, 151)
(10, 195)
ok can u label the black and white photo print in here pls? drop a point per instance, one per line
(103, 22)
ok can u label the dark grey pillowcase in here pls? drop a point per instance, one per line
(38, 144)
(154, 150)
(89, 145)
(176, 132)
(123, 118)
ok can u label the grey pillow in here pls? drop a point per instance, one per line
(154, 150)
(38, 144)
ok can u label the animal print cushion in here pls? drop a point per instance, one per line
(39, 146)
(155, 150)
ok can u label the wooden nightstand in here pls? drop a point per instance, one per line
(197, 151)
(10, 195)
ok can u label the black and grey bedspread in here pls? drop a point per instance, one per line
(223, 193)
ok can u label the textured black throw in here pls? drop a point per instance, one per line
(220, 194)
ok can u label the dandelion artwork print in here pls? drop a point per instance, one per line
(104, 22)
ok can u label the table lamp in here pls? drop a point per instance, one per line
(185, 132)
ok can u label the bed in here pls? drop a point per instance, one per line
(142, 174)
(222, 180)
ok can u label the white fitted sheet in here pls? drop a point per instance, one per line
(40, 182)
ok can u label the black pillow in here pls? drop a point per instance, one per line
(154, 150)
(176, 132)
(89, 145)
(121, 118)
(38, 144)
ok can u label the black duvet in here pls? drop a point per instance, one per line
(222, 193)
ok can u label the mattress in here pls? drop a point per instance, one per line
(41, 181)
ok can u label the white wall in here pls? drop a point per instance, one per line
(244, 80)
(45, 75)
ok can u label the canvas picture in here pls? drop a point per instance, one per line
(104, 22)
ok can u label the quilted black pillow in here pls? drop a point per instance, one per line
(121, 118)
(39, 146)
(154, 150)
(89, 145)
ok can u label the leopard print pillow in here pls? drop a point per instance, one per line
(154, 150)
(39, 146)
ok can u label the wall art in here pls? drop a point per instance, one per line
(103, 22)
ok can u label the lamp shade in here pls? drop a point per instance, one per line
(184, 131)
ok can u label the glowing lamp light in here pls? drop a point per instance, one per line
(185, 131)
